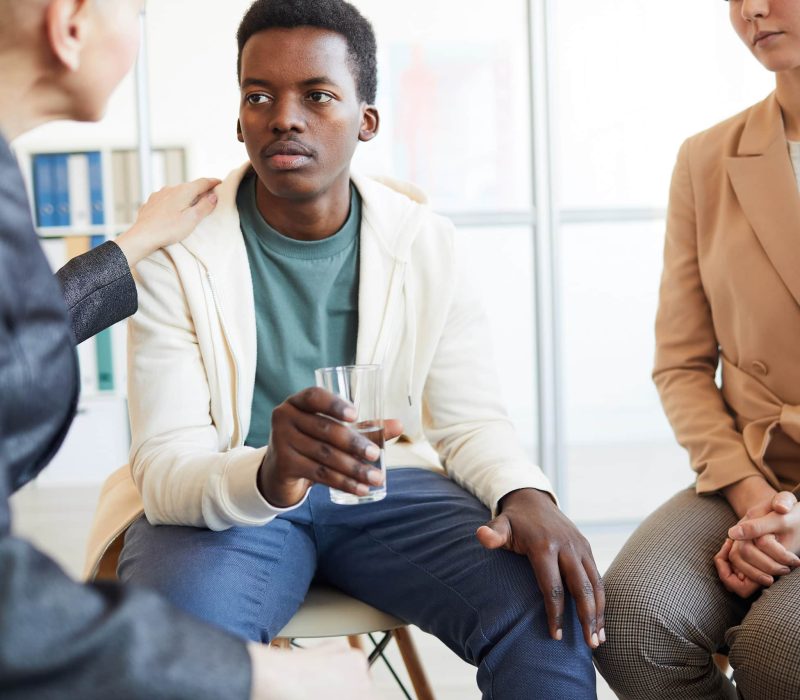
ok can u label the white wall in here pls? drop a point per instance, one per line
(630, 81)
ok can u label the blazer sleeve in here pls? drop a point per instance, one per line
(463, 414)
(63, 640)
(687, 350)
(98, 289)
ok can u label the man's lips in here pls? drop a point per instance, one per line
(287, 155)
(760, 36)
(286, 148)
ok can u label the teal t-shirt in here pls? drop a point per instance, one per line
(306, 301)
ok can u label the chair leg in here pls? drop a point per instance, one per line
(722, 662)
(355, 642)
(411, 659)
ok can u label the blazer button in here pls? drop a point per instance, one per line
(760, 368)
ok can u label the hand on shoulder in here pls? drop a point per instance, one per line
(167, 217)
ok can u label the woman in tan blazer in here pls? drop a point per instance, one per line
(691, 581)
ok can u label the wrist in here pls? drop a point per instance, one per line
(130, 243)
(749, 492)
(272, 488)
(263, 481)
(527, 497)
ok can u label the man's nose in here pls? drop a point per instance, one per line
(287, 115)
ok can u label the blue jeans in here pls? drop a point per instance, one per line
(414, 555)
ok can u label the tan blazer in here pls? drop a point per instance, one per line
(730, 295)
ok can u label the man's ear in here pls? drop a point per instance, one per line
(239, 134)
(66, 25)
(370, 122)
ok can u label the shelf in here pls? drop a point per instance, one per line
(67, 231)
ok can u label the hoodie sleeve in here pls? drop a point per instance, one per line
(463, 416)
(186, 472)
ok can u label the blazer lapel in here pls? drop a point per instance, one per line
(763, 179)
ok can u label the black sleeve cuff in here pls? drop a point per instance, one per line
(99, 290)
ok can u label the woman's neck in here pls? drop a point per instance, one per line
(788, 93)
(26, 99)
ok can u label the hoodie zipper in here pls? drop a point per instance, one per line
(397, 293)
(237, 417)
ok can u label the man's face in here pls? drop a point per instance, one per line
(300, 116)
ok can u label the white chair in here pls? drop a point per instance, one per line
(327, 612)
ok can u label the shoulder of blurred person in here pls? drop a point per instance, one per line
(38, 386)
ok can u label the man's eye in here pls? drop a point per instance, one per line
(320, 97)
(257, 99)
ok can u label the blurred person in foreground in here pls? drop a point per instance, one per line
(60, 59)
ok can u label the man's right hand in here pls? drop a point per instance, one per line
(307, 448)
(326, 672)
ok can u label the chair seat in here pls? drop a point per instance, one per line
(327, 612)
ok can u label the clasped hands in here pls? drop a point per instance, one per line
(761, 546)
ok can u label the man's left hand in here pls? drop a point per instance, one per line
(531, 524)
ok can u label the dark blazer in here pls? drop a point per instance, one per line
(60, 639)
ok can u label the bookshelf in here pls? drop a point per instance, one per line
(79, 200)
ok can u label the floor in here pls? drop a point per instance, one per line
(57, 518)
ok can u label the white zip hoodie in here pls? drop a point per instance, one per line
(192, 365)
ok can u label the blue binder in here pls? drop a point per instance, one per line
(61, 187)
(96, 188)
(43, 190)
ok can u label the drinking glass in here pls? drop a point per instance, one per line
(361, 385)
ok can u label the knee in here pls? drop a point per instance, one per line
(202, 583)
(648, 637)
(764, 655)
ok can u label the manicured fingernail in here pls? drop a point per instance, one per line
(559, 635)
(741, 576)
(785, 570)
(362, 490)
(372, 452)
(595, 641)
(349, 413)
(736, 532)
(212, 198)
(602, 635)
(375, 476)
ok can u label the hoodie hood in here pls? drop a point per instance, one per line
(392, 216)
(394, 221)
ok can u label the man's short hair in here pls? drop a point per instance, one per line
(335, 15)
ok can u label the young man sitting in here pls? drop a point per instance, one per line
(302, 265)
